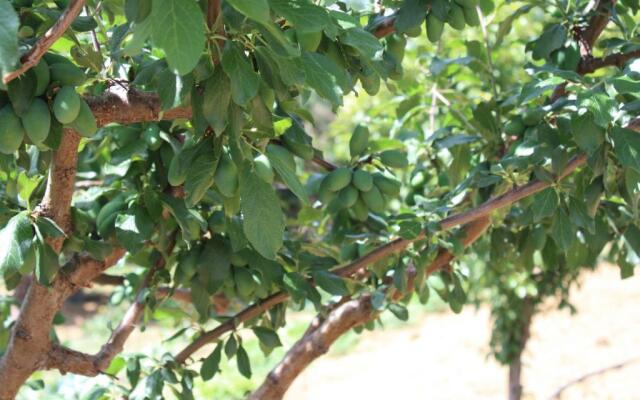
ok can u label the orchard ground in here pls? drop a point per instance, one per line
(436, 355)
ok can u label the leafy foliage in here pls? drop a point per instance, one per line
(262, 197)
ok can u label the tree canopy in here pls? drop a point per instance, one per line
(175, 149)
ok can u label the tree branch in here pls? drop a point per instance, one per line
(312, 346)
(384, 251)
(586, 39)
(590, 65)
(121, 334)
(33, 56)
(319, 338)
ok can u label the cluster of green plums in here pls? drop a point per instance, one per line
(359, 189)
(30, 101)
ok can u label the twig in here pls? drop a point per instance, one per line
(119, 336)
(558, 393)
(33, 56)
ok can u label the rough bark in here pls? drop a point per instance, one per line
(312, 346)
(323, 332)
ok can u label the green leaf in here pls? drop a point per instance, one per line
(330, 283)
(627, 147)
(586, 133)
(189, 220)
(562, 230)
(257, 10)
(133, 229)
(267, 337)
(201, 172)
(178, 28)
(245, 82)
(399, 311)
(410, 229)
(9, 24)
(263, 221)
(49, 228)
(211, 364)
(632, 236)
(15, 241)
(544, 204)
(410, 14)
(626, 84)
(364, 42)
(47, 263)
(319, 79)
(244, 365)
(551, 39)
(217, 97)
(231, 347)
(302, 14)
(289, 177)
(200, 299)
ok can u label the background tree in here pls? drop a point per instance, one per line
(177, 136)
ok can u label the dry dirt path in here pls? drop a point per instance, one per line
(444, 356)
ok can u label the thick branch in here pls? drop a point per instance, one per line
(127, 106)
(314, 345)
(590, 65)
(33, 56)
(321, 336)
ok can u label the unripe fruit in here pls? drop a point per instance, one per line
(347, 197)
(244, 282)
(85, 124)
(414, 31)
(11, 131)
(66, 74)
(471, 16)
(359, 141)
(515, 127)
(374, 200)
(455, 18)
(22, 91)
(151, 136)
(388, 186)
(467, 3)
(362, 180)
(325, 195)
(337, 179)
(435, 27)
(394, 158)
(396, 45)
(66, 105)
(226, 176)
(533, 116)
(360, 210)
(216, 222)
(43, 77)
(37, 121)
(25, 31)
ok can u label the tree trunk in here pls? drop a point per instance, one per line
(515, 368)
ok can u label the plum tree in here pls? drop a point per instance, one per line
(174, 139)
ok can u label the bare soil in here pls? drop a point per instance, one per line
(445, 356)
